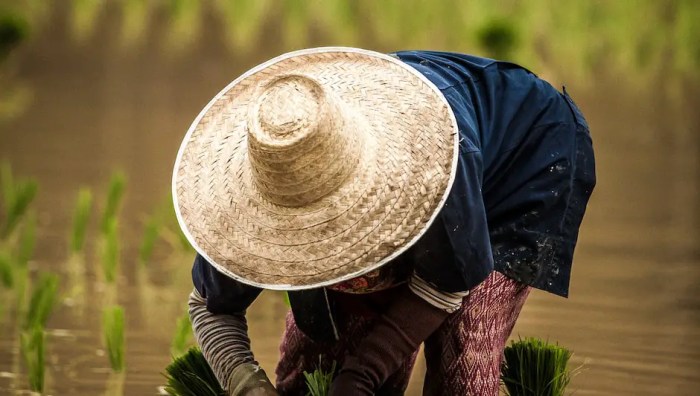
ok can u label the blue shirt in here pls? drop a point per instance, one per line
(521, 145)
(526, 170)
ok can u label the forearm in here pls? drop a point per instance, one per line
(415, 313)
(223, 339)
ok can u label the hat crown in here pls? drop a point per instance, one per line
(303, 141)
(288, 108)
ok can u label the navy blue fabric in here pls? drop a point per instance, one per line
(224, 295)
(525, 175)
(526, 170)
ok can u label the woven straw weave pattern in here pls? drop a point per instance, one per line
(285, 182)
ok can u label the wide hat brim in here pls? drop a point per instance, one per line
(383, 208)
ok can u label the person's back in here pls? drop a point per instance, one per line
(518, 129)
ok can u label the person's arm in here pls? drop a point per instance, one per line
(415, 313)
(217, 311)
(225, 344)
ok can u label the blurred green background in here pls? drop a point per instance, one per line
(98, 89)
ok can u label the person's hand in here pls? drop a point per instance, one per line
(250, 380)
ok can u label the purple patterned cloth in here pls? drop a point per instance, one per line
(463, 356)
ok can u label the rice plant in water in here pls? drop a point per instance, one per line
(42, 301)
(110, 251)
(32, 348)
(183, 335)
(191, 375)
(113, 332)
(17, 196)
(533, 367)
(27, 240)
(150, 236)
(115, 194)
(6, 273)
(81, 215)
(319, 382)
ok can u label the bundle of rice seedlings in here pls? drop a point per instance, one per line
(183, 335)
(32, 348)
(319, 382)
(81, 216)
(17, 196)
(115, 193)
(42, 301)
(113, 332)
(110, 251)
(191, 375)
(533, 367)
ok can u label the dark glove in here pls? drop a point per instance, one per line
(249, 379)
(398, 333)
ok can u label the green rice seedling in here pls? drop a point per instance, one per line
(7, 184)
(42, 301)
(27, 240)
(6, 273)
(183, 335)
(533, 367)
(319, 382)
(151, 233)
(113, 332)
(81, 215)
(115, 193)
(32, 348)
(20, 196)
(14, 29)
(191, 375)
(110, 251)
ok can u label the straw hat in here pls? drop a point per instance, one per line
(315, 167)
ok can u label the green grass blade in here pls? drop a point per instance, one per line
(42, 301)
(32, 349)
(81, 216)
(110, 251)
(115, 193)
(6, 272)
(24, 193)
(113, 333)
(151, 233)
(319, 382)
(27, 240)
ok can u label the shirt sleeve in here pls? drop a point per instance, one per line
(217, 308)
(223, 339)
(448, 302)
(223, 295)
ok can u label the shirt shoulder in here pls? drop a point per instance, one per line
(447, 69)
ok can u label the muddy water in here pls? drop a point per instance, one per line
(633, 318)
